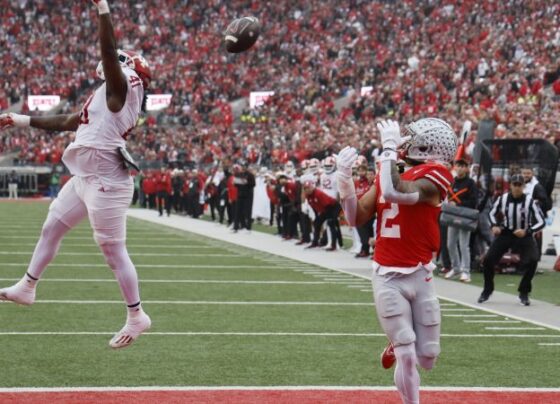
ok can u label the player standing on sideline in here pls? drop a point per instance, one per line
(407, 208)
(101, 188)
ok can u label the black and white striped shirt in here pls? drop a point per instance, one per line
(521, 213)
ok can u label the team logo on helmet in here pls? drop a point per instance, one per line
(432, 139)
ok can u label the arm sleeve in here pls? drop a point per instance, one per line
(537, 216)
(390, 194)
(494, 211)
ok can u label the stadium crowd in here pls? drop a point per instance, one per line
(455, 59)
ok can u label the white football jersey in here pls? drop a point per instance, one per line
(94, 150)
(327, 184)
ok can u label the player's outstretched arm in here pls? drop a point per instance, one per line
(61, 123)
(357, 212)
(114, 76)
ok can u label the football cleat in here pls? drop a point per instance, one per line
(388, 358)
(451, 274)
(483, 297)
(18, 294)
(133, 328)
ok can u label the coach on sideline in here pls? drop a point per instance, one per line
(520, 217)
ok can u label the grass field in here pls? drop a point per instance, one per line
(229, 316)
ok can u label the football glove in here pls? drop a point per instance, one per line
(345, 159)
(391, 135)
(14, 120)
(102, 6)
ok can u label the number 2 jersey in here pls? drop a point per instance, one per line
(408, 236)
(101, 131)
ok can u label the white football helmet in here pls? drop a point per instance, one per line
(329, 164)
(313, 166)
(432, 139)
(133, 60)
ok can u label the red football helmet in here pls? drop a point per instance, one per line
(133, 60)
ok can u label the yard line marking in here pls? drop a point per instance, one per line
(549, 343)
(269, 388)
(470, 315)
(112, 280)
(205, 302)
(270, 334)
(366, 290)
(514, 328)
(492, 321)
(355, 286)
(93, 245)
(132, 254)
(170, 266)
(457, 309)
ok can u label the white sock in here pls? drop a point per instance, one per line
(118, 259)
(47, 247)
(407, 378)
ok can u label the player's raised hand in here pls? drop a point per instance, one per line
(345, 159)
(14, 120)
(390, 134)
(102, 6)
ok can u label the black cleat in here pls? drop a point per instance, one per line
(524, 299)
(483, 297)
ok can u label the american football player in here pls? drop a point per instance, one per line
(407, 208)
(101, 187)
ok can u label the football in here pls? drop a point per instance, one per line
(242, 34)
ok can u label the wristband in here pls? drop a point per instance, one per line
(388, 154)
(21, 121)
(103, 7)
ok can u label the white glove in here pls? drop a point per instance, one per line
(391, 135)
(10, 119)
(345, 159)
(102, 6)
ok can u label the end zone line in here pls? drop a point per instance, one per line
(271, 388)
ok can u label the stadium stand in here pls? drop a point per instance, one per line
(417, 56)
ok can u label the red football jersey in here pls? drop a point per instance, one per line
(409, 234)
(320, 201)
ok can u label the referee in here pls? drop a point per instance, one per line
(515, 216)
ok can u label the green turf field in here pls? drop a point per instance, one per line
(226, 315)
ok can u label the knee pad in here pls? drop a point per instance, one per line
(426, 363)
(430, 312)
(389, 305)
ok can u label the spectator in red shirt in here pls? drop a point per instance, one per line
(163, 187)
(327, 210)
(150, 190)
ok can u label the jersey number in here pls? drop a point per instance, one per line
(393, 231)
(84, 115)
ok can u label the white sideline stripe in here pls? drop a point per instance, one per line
(515, 328)
(272, 334)
(470, 315)
(186, 266)
(206, 302)
(504, 314)
(93, 245)
(549, 343)
(129, 237)
(132, 254)
(492, 321)
(181, 281)
(271, 388)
